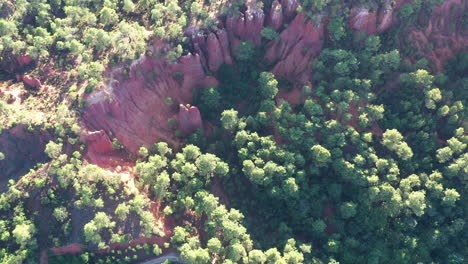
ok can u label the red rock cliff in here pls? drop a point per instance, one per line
(132, 107)
(444, 36)
(373, 19)
(299, 43)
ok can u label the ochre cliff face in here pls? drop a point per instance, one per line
(98, 142)
(247, 26)
(362, 20)
(442, 38)
(132, 108)
(299, 43)
(375, 19)
(275, 18)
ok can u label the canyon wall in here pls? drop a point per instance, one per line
(133, 107)
(291, 55)
(444, 36)
(374, 19)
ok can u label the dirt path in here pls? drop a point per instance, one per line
(172, 256)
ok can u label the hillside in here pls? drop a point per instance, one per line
(233, 131)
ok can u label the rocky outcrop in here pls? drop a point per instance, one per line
(31, 82)
(216, 56)
(275, 18)
(289, 56)
(439, 41)
(189, 119)
(362, 20)
(133, 107)
(299, 42)
(246, 26)
(444, 36)
(216, 48)
(373, 19)
(101, 152)
(98, 142)
(296, 47)
(385, 20)
(225, 47)
(289, 8)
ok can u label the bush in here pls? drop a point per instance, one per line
(269, 33)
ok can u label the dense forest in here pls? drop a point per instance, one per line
(233, 131)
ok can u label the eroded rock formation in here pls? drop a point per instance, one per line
(361, 19)
(31, 82)
(298, 44)
(275, 18)
(98, 142)
(189, 119)
(132, 107)
(247, 26)
(442, 38)
(373, 19)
